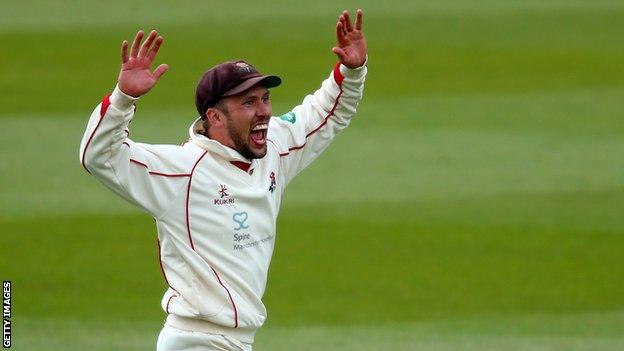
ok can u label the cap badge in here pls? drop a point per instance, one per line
(244, 67)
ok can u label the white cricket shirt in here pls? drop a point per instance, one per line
(215, 210)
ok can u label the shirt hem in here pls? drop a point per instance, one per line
(204, 326)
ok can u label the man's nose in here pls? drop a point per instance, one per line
(264, 110)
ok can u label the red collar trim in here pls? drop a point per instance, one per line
(244, 166)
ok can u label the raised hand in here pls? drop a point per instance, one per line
(135, 77)
(351, 49)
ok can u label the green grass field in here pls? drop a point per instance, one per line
(476, 203)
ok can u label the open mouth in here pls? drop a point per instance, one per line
(258, 134)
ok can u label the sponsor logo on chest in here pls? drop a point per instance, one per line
(224, 196)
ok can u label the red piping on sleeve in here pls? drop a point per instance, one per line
(292, 149)
(103, 109)
(172, 175)
(158, 173)
(138, 162)
(331, 113)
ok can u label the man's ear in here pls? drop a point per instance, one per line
(215, 117)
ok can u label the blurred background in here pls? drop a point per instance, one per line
(475, 203)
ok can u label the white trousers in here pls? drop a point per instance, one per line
(172, 339)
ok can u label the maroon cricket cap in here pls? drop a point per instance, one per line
(226, 79)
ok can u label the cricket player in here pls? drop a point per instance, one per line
(215, 199)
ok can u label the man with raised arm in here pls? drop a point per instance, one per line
(215, 199)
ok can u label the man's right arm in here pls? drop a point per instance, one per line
(139, 173)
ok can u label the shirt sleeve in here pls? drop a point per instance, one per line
(142, 174)
(303, 133)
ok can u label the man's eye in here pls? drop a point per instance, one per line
(248, 102)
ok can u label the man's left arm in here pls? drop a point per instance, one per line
(303, 133)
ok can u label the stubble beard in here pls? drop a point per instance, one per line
(242, 146)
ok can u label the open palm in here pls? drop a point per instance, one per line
(135, 76)
(351, 49)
